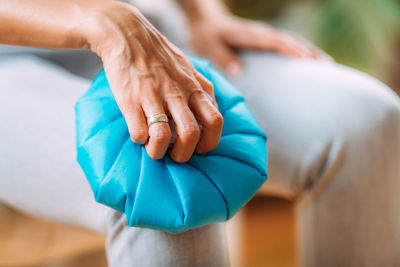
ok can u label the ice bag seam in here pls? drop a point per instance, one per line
(216, 187)
(137, 186)
(184, 216)
(97, 131)
(262, 173)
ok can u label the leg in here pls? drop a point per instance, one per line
(38, 170)
(334, 147)
(204, 246)
(39, 173)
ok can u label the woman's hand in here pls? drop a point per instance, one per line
(216, 34)
(149, 75)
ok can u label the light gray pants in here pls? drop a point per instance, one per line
(334, 147)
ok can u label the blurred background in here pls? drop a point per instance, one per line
(364, 34)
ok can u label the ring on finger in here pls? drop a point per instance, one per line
(161, 117)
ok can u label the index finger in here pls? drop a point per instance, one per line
(209, 118)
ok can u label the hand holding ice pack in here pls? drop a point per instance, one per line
(162, 194)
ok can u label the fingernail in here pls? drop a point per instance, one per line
(234, 69)
(140, 141)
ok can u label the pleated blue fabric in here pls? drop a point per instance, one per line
(163, 194)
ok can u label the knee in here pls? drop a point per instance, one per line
(361, 130)
(373, 112)
(350, 105)
(320, 117)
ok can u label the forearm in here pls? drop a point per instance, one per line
(45, 23)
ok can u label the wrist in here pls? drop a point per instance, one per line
(100, 25)
(82, 25)
(92, 30)
(116, 31)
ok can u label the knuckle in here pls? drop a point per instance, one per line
(162, 135)
(190, 132)
(208, 84)
(210, 87)
(216, 120)
(174, 97)
(139, 134)
(189, 81)
(197, 92)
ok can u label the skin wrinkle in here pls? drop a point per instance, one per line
(145, 74)
(152, 38)
(160, 51)
(157, 45)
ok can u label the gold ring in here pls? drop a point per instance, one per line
(161, 117)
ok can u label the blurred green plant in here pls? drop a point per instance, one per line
(360, 33)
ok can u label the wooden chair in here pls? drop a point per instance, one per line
(261, 234)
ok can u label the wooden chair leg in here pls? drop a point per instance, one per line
(263, 234)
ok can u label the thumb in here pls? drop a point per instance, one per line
(226, 58)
